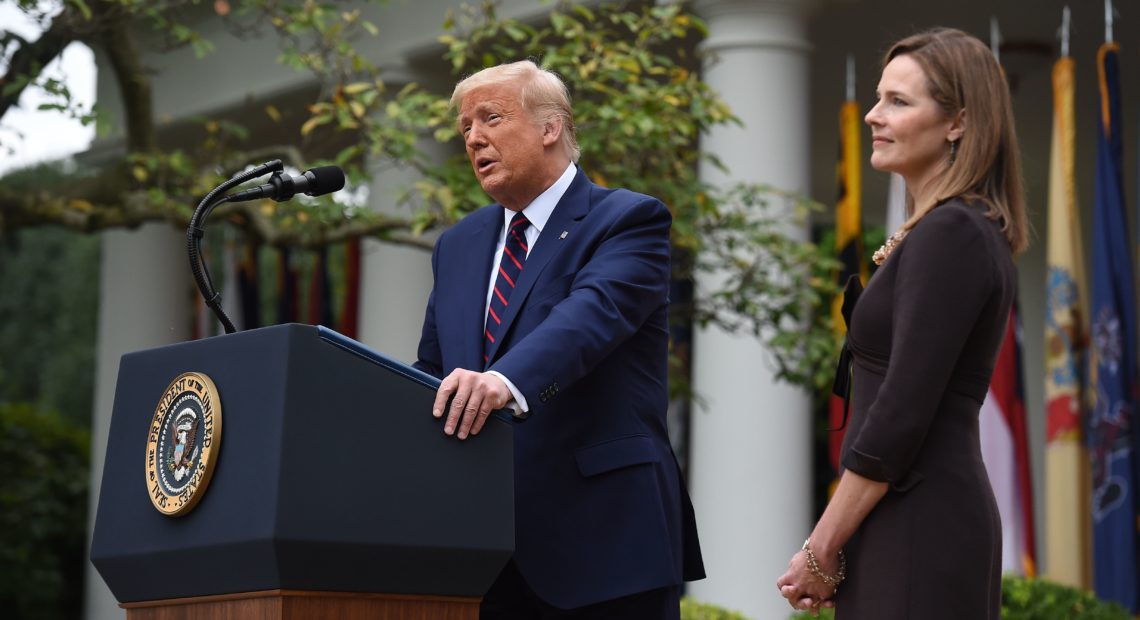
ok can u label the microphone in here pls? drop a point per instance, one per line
(282, 187)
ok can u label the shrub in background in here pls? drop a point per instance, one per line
(1038, 599)
(43, 513)
(694, 610)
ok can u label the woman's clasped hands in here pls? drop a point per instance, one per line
(805, 590)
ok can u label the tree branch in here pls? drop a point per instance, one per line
(134, 85)
(131, 209)
(31, 58)
(390, 229)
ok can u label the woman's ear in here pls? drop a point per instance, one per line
(958, 127)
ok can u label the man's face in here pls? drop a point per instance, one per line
(505, 146)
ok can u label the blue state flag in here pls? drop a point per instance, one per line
(1111, 423)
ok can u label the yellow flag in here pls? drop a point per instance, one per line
(849, 210)
(1067, 475)
(848, 242)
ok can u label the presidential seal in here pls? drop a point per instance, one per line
(183, 442)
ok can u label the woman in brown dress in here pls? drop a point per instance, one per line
(913, 525)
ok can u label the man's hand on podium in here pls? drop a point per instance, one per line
(474, 395)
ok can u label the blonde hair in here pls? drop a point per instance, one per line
(962, 74)
(544, 96)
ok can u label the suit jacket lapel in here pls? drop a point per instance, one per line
(571, 208)
(474, 277)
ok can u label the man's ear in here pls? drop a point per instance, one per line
(958, 127)
(551, 132)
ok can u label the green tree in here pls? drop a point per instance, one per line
(43, 513)
(50, 276)
(639, 101)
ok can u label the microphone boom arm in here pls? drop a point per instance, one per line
(195, 232)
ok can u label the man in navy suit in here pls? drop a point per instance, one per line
(553, 303)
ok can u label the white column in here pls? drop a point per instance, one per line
(395, 280)
(144, 301)
(751, 465)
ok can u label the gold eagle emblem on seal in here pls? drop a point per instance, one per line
(183, 443)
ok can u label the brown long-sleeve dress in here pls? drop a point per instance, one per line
(924, 338)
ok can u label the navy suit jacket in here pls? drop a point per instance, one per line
(600, 508)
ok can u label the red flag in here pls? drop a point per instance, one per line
(1005, 450)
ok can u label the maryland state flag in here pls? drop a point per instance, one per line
(848, 240)
(1112, 419)
(1067, 527)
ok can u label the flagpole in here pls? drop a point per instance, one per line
(995, 38)
(1108, 21)
(850, 76)
(1065, 18)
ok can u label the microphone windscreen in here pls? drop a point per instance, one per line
(325, 180)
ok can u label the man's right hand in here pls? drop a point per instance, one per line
(476, 395)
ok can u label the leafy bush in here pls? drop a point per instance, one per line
(1038, 599)
(43, 513)
(824, 614)
(693, 610)
(51, 288)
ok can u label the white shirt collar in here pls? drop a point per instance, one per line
(539, 210)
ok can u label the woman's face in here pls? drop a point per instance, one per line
(910, 134)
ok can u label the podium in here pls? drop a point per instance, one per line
(334, 492)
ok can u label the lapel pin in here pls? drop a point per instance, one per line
(564, 233)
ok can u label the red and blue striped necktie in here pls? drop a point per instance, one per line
(510, 267)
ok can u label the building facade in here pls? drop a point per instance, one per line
(780, 65)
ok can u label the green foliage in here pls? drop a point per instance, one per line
(50, 276)
(167, 18)
(43, 513)
(770, 283)
(640, 108)
(694, 610)
(1038, 599)
(824, 614)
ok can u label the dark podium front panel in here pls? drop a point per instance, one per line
(332, 475)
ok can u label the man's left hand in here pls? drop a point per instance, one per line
(476, 395)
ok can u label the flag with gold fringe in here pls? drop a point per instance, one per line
(1067, 527)
(1110, 422)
